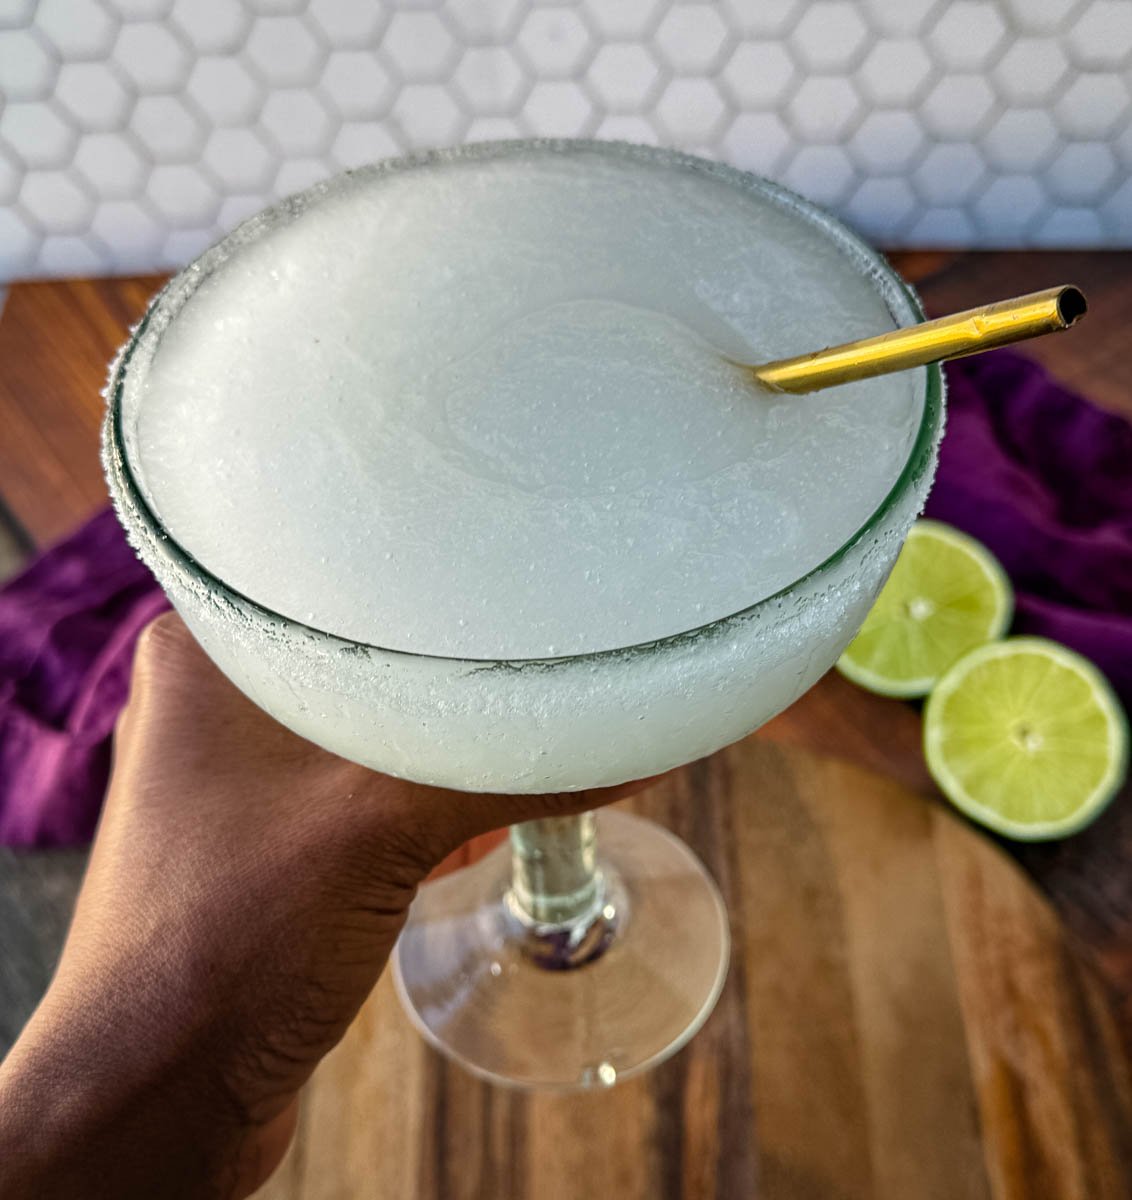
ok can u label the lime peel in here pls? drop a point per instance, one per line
(946, 595)
(1027, 738)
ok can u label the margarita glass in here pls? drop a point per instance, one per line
(592, 946)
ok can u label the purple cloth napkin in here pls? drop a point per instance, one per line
(1044, 478)
(1037, 473)
(68, 626)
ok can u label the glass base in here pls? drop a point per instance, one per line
(568, 1007)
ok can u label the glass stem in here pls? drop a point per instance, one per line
(554, 875)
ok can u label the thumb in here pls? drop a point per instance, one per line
(444, 820)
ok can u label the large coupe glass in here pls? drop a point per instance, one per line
(589, 947)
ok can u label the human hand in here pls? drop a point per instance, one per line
(244, 892)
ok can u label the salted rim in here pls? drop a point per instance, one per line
(130, 499)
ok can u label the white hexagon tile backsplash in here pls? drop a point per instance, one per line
(135, 132)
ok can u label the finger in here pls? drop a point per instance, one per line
(176, 686)
(169, 663)
(477, 847)
(444, 820)
(565, 804)
(468, 854)
(264, 1150)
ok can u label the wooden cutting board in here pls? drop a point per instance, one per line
(904, 1017)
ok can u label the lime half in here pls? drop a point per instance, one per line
(946, 595)
(1027, 738)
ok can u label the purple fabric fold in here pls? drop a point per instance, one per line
(68, 626)
(1037, 473)
(1044, 478)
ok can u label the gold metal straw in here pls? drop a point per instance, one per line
(964, 333)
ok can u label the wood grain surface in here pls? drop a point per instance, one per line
(56, 341)
(903, 1018)
(905, 1014)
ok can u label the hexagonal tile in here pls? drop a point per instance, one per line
(1020, 139)
(625, 18)
(623, 76)
(182, 195)
(896, 71)
(1008, 206)
(223, 89)
(1121, 144)
(111, 164)
(1116, 212)
(37, 134)
(1037, 88)
(76, 28)
(238, 160)
(1075, 227)
(950, 173)
(283, 51)
(1093, 105)
(127, 226)
(297, 121)
(92, 95)
(69, 254)
(958, 106)
(692, 38)
(492, 129)
(489, 80)
(824, 174)
(418, 45)
(356, 83)
(830, 35)
(27, 67)
(15, 14)
(184, 245)
(142, 10)
(1040, 16)
(554, 42)
(359, 143)
(427, 115)
(19, 244)
(11, 176)
(1030, 70)
(967, 35)
(298, 174)
(824, 108)
(756, 142)
(347, 22)
(1101, 36)
(942, 227)
(277, 8)
(557, 108)
(152, 57)
(56, 200)
(481, 23)
(623, 127)
(691, 110)
(903, 19)
(887, 141)
(1081, 172)
(213, 26)
(762, 18)
(166, 128)
(758, 73)
(236, 209)
(882, 208)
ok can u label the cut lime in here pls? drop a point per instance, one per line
(946, 595)
(1027, 738)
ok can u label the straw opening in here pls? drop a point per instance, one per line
(1071, 305)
